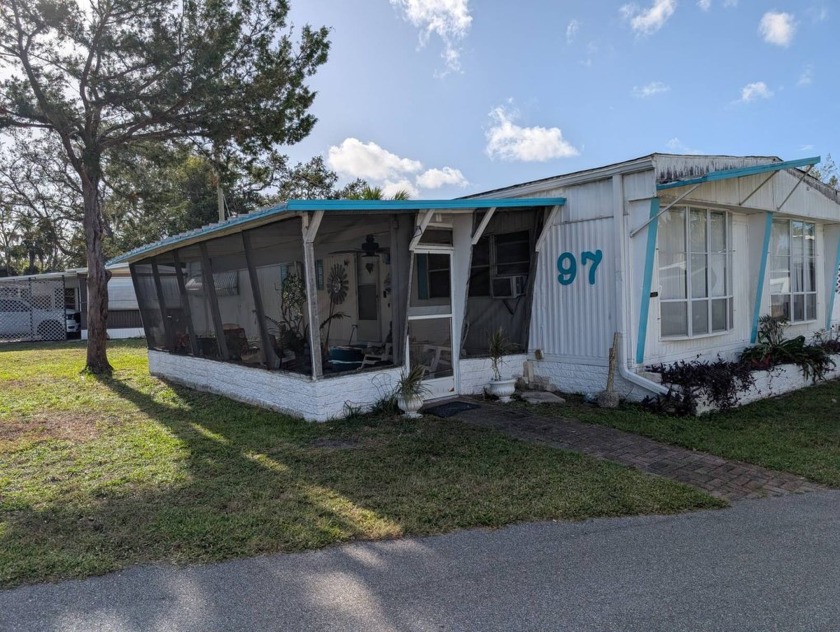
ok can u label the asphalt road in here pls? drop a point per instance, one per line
(762, 565)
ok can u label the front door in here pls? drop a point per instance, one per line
(431, 340)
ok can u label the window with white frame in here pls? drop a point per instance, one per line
(694, 272)
(793, 282)
(499, 255)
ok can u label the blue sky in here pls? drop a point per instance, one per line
(450, 97)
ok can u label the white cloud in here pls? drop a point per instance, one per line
(648, 21)
(380, 167)
(704, 4)
(572, 31)
(355, 159)
(391, 188)
(508, 141)
(436, 178)
(777, 28)
(677, 146)
(649, 90)
(807, 76)
(753, 91)
(806, 148)
(450, 20)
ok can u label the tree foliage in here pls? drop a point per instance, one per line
(104, 76)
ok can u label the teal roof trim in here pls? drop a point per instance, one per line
(293, 206)
(727, 174)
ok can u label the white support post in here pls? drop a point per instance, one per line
(483, 225)
(555, 211)
(423, 222)
(310, 224)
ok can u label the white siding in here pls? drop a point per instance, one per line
(577, 319)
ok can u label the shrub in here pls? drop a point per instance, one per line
(719, 382)
(773, 349)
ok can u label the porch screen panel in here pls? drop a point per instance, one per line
(235, 300)
(277, 255)
(173, 306)
(199, 303)
(150, 308)
(357, 263)
(500, 288)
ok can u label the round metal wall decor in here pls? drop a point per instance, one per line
(338, 284)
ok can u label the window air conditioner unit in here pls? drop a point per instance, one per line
(509, 286)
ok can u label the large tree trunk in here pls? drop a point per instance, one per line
(97, 282)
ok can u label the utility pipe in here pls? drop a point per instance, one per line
(622, 301)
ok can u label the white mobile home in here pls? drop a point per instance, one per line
(311, 306)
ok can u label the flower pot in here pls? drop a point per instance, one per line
(410, 406)
(502, 389)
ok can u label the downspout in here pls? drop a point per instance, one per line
(622, 302)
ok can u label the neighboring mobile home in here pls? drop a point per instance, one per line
(679, 255)
(53, 306)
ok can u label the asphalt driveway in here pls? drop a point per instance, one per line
(769, 564)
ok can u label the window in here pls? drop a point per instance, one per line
(793, 284)
(502, 255)
(694, 272)
(433, 276)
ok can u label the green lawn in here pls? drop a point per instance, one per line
(797, 433)
(96, 475)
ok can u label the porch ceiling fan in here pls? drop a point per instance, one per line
(369, 248)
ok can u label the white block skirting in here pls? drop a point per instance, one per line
(297, 395)
(777, 381)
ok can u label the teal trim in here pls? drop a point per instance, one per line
(644, 309)
(726, 174)
(334, 205)
(759, 290)
(832, 287)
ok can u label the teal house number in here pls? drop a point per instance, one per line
(567, 266)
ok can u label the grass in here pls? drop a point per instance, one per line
(100, 474)
(798, 433)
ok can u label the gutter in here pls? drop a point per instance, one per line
(622, 303)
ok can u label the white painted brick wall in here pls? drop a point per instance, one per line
(567, 377)
(778, 381)
(476, 372)
(288, 393)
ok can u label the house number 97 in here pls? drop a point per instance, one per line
(567, 266)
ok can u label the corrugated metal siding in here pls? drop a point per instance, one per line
(576, 319)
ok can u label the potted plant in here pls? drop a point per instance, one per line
(499, 346)
(410, 391)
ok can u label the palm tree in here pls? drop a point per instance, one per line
(375, 193)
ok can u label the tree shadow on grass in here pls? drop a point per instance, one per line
(245, 489)
(251, 481)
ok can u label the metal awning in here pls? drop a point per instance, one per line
(727, 174)
(771, 168)
(268, 215)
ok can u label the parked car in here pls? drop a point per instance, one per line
(20, 319)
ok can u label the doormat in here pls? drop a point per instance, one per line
(449, 409)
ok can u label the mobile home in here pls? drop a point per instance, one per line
(315, 306)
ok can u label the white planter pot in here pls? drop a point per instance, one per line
(410, 406)
(502, 389)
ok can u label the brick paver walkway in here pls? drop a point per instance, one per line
(720, 477)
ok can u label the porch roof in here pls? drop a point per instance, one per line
(292, 207)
